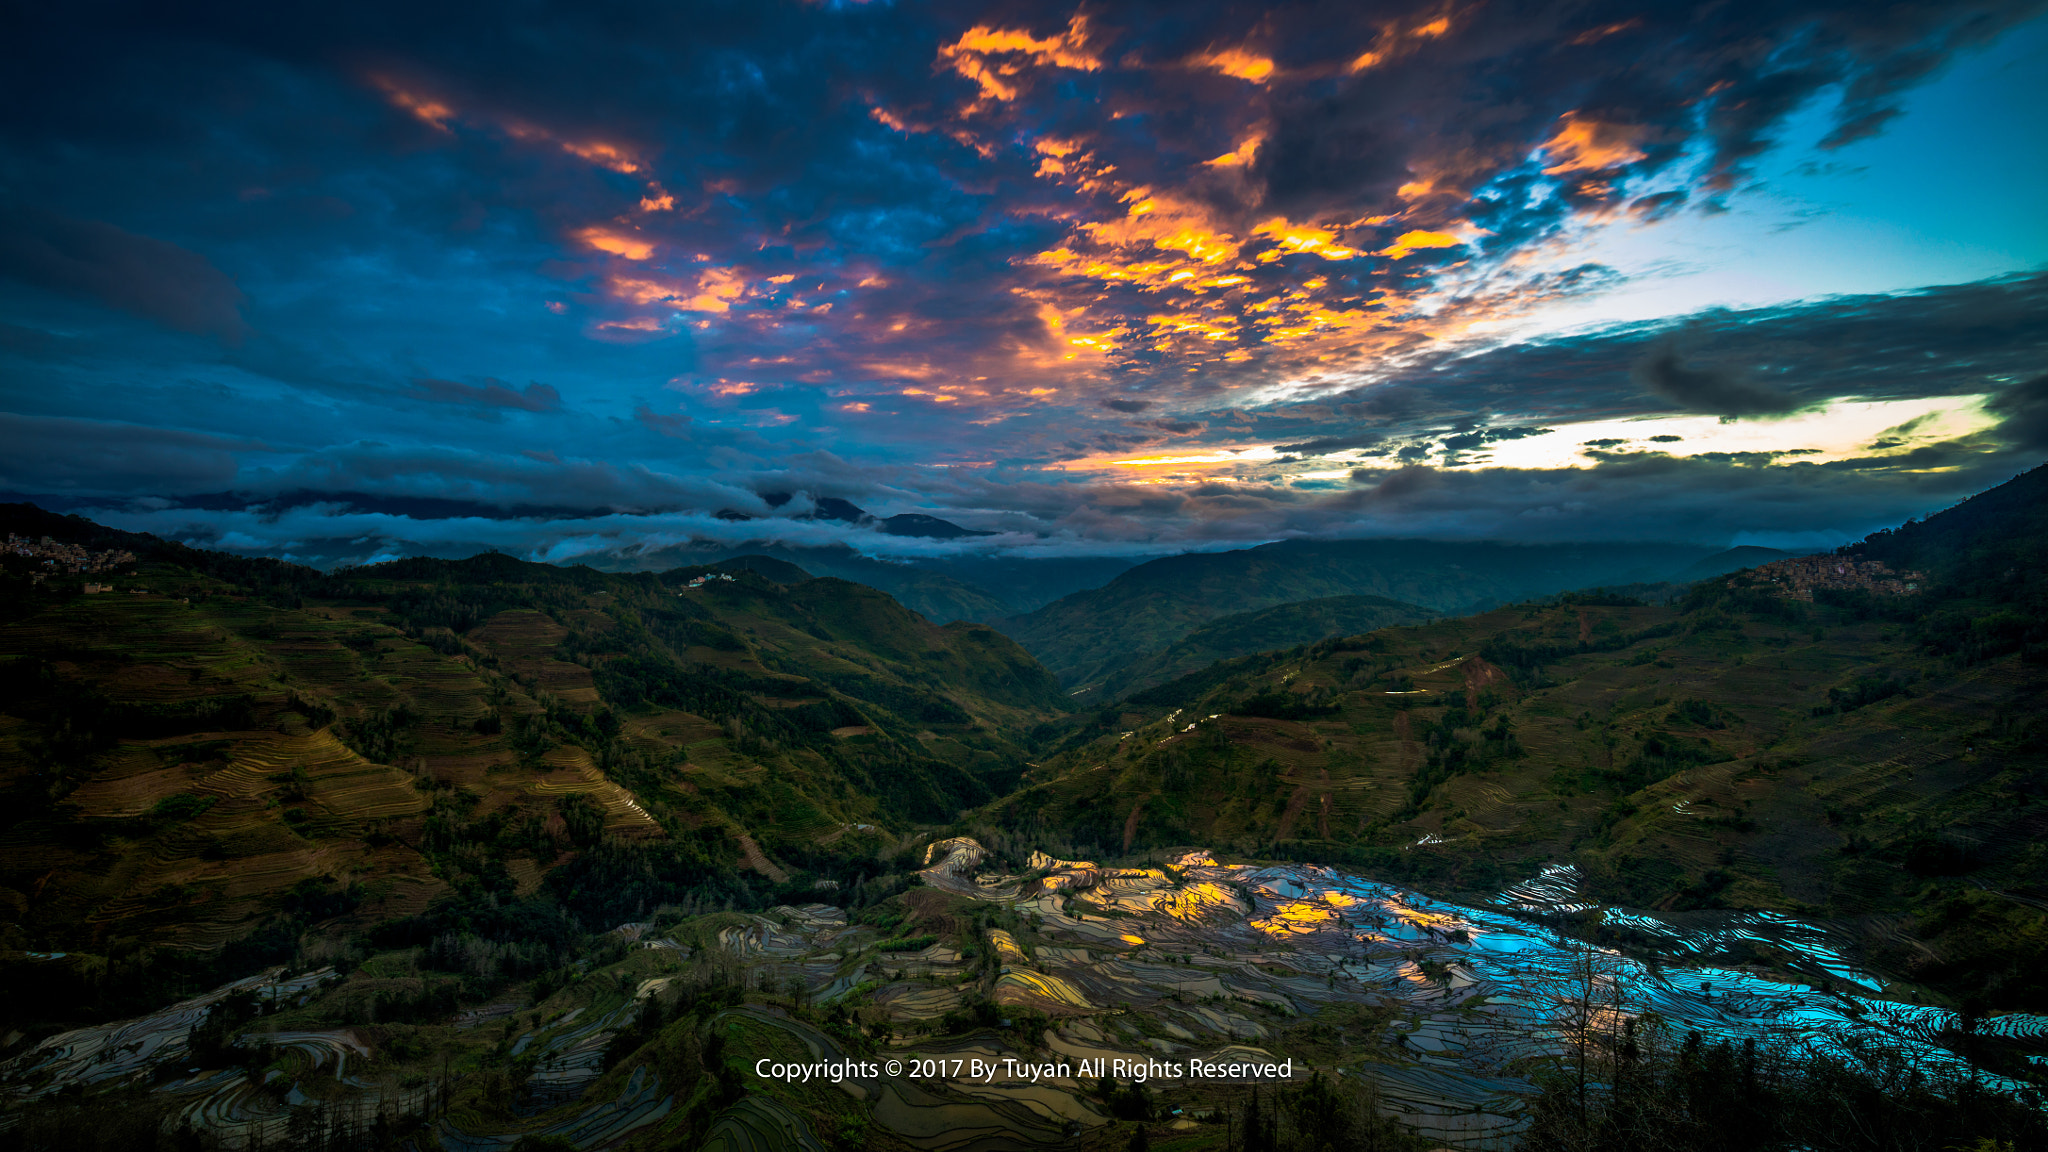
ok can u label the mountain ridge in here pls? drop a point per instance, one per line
(1083, 635)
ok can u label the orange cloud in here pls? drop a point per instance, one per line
(717, 288)
(1595, 35)
(1303, 238)
(1389, 43)
(605, 240)
(1590, 146)
(1166, 222)
(1239, 63)
(975, 55)
(1241, 155)
(1408, 242)
(642, 289)
(425, 108)
(603, 155)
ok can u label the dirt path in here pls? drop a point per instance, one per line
(759, 862)
(1295, 804)
(1131, 821)
(1323, 817)
(1479, 674)
(1406, 731)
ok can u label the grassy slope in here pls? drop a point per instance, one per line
(186, 764)
(1152, 606)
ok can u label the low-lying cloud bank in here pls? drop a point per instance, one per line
(1425, 448)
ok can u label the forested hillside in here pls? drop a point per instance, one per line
(1875, 759)
(215, 753)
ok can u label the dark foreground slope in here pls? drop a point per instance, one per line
(221, 752)
(1882, 760)
(1088, 634)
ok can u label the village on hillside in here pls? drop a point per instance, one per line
(68, 559)
(1800, 575)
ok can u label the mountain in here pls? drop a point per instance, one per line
(940, 588)
(480, 853)
(846, 511)
(1722, 563)
(1243, 633)
(918, 524)
(213, 752)
(768, 567)
(1876, 760)
(959, 586)
(1150, 607)
(927, 590)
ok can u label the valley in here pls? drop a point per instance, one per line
(469, 853)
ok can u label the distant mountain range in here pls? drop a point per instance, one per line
(1088, 635)
(941, 589)
(845, 511)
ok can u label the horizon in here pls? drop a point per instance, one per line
(1084, 282)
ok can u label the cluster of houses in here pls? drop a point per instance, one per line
(1799, 576)
(68, 559)
(707, 578)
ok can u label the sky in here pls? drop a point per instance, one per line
(585, 280)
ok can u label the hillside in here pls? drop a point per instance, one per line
(461, 853)
(218, 752)
(1084, 636)
(1875, 760)
(1243, 633)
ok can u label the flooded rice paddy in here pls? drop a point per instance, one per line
(1196, 959)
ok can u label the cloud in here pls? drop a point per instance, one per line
(1715, 391)
(667, 423)
(1480, 437)
(1130, 406)
(2023, 409)
(536, 397)
(152, 278)
(1323, 445)
(65, 454)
